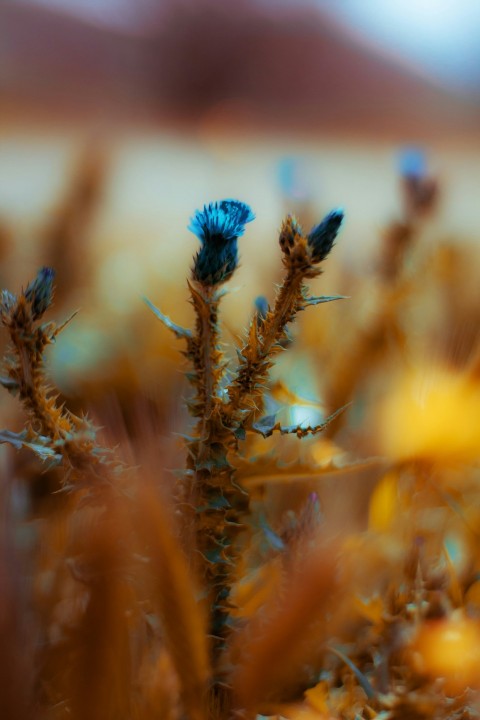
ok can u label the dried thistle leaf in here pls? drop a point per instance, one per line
(19, 441)
(267, 469)
(362, 679)
(178, 330)
(267, 426)
(312, 300)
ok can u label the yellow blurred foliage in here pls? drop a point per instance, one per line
(371, 609)
(317, 698)
(383, 504)
(450, 649)
(432, 415)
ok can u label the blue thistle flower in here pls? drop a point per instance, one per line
(322, 236)
(218, 227)
(39, 292)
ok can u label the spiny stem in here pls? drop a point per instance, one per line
(209, 374)
(26, 368)
(285, 308)
(217, 501)
(252, 370)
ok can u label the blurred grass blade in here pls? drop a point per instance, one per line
(183, 623)
(269, 648)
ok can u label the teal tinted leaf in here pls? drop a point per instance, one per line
(9, 384)
(362, 679)
(274, 540)
(178, 330)
(14, 439)
(312, 300)
(267, 426)
(18, 441)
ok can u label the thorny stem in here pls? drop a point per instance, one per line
(207, 333)
(216, 499)
(29, 343)
(219, 501)
(284, 310)
(222, 503)
(70, 436)
(252, 370)
(34, 398)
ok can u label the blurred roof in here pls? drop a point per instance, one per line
(241, 66)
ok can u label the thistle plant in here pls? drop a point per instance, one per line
(53, 432)
(228, 401)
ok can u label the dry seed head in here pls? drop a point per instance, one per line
(293, 243)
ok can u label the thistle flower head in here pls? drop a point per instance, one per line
(322, 236)
(221, 221)
(39, 292)
(218, 226)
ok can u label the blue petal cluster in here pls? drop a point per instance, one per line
(322, 236)
(218, 226)
(39, 292)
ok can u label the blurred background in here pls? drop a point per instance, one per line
(118, 118)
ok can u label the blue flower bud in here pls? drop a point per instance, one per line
(322, 236)
(39, 292)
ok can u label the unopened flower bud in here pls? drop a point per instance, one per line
(321, 238)
(39, 292)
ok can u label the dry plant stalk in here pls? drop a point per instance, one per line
(67, 235)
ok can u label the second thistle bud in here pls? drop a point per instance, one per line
(39, 292)
(322, 236)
